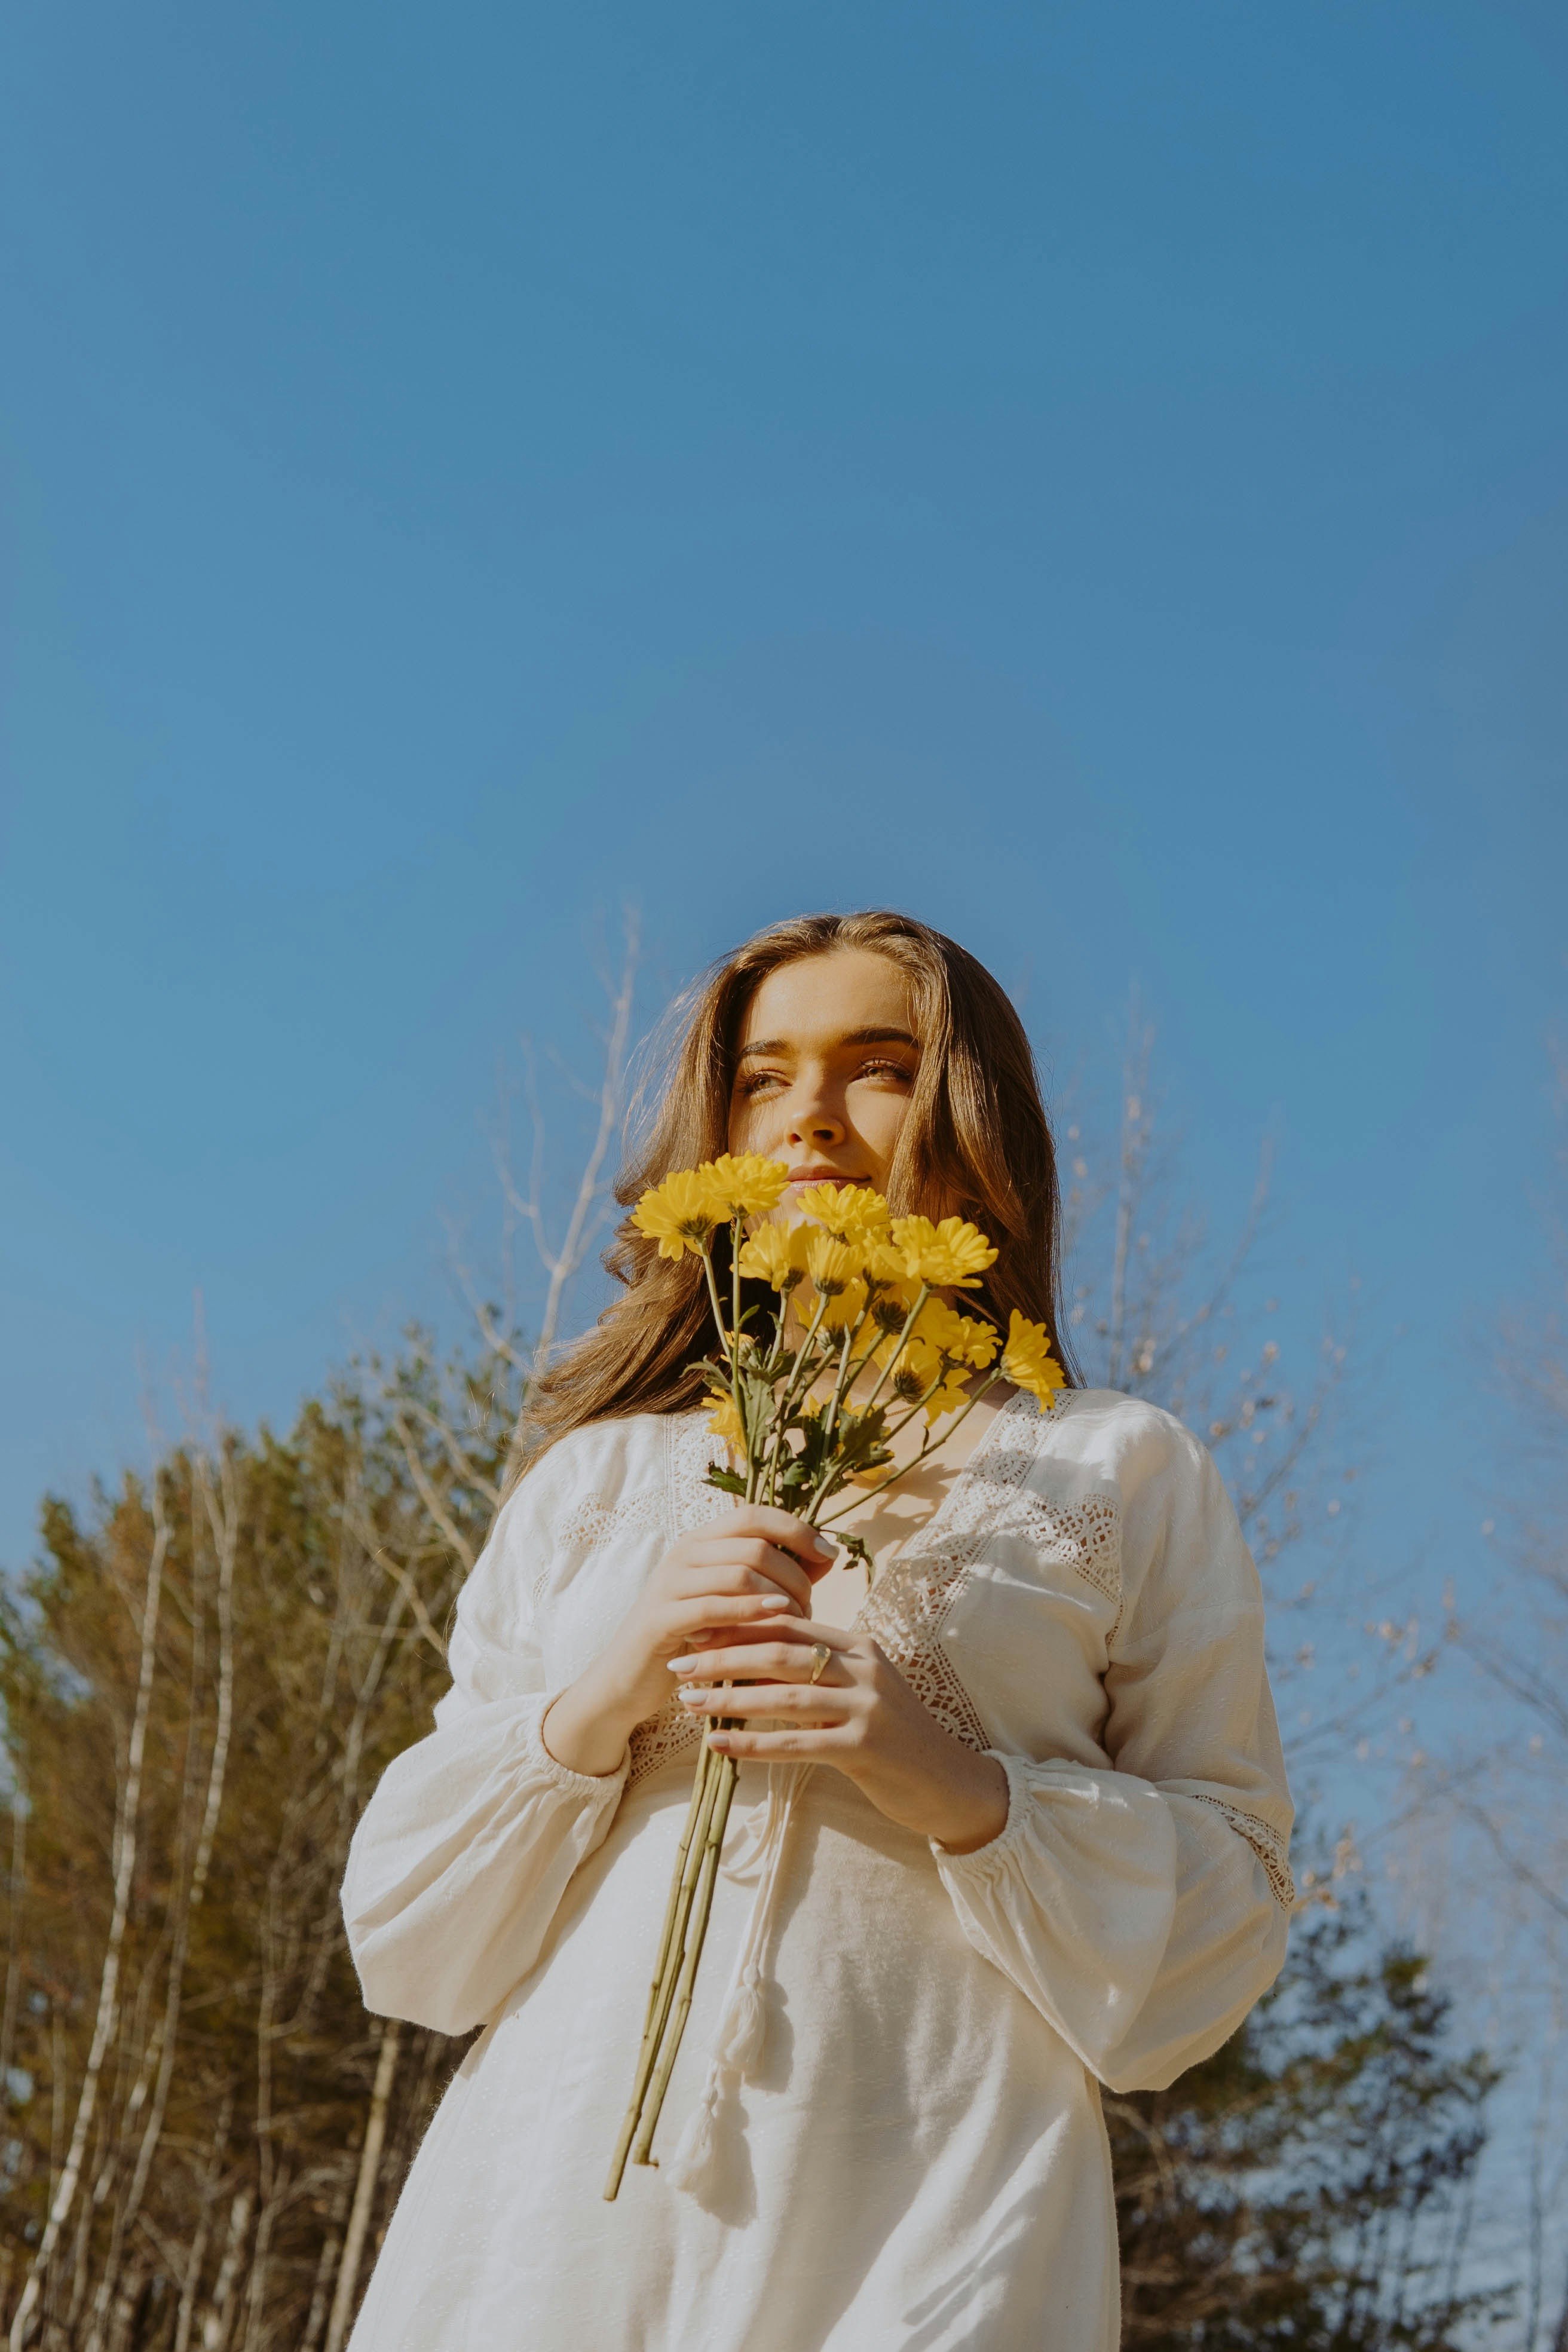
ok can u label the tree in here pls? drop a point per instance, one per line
(1308, 2186)
(201, 1683)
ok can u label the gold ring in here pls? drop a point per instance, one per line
(823, 1654)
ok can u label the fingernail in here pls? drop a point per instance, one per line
(682, 1665)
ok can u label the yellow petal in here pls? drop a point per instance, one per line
(951, 1256)
(678, 1214)
(831, 1264)
(743, 1185)
(774, 1255)
(841, 1309)
(953, 1393)
(726, 1422)
(1027, 1361)
(853, 1212)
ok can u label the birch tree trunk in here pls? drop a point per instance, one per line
(127, 1814)
(364, 2188)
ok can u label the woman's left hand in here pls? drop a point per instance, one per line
(860, 1715)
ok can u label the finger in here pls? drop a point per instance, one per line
(710, 1558)
(813, 1701)
(825, 1746)
(773, 1654)
(775, 1624)
(780, 1527)
(732, 1576)
(695, 1623)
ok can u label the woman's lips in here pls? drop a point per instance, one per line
(824, 1176)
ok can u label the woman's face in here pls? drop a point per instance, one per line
(826, 1068)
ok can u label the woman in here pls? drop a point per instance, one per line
(1042, 1844)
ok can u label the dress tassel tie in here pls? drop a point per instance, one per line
(742, 2022)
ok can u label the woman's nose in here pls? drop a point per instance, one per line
(816, 1126)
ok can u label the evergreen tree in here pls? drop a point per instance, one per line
(1308, 2186)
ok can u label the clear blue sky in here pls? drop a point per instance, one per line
(1098, 477)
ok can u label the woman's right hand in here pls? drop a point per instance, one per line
(741, 1571)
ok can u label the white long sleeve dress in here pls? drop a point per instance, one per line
(909, 2154)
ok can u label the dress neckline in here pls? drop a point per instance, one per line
(957, 1491)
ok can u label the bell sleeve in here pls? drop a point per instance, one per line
(462, 1856)
(1144, 1909)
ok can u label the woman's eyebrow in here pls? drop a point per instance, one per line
(850, 1037)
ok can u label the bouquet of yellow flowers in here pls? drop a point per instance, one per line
(860, 1343)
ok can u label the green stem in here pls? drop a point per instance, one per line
(784, 1410)
(696, 1937)
(832, 1478)
(693, 1814)
(784, 1406)
(930, 1447)
(725, 1338)
(859, 1363)
(841, 1384)
(770, 1465)
(686, 1879)
(920, 1297)
(735, 1282)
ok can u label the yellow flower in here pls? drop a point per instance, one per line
(916, 1368)
(980, 1342)
(892, 1292)
(832, 1265)
(885, 1265)
(1029, 1363)
(853, 1212)
(952, 1255)
(744, 1186)
(961, 1339)
(679, 1213)
(841, 1309)
(776, 1255)
(726, 1422)
(953, 1393)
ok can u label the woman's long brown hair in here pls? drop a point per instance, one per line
(976, 1143)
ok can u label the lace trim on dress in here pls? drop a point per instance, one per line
(591, 1524)
(1266, 1843)
(1085, 1536)
(910, 1603)
(689, 1447)
(671, 1737)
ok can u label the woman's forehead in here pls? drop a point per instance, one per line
(822, 997)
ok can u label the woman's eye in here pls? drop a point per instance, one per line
(757, 1079)
(886, 1069)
